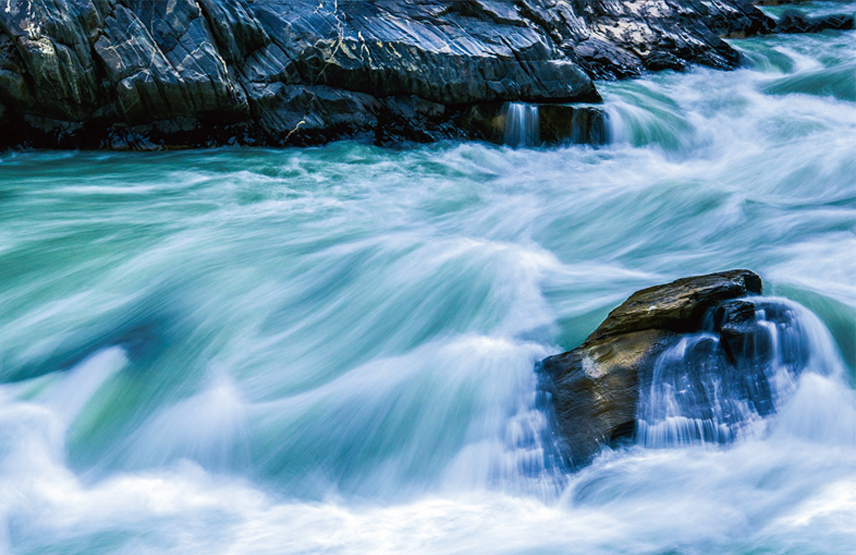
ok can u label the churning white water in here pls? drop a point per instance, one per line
(332, 350)
(703, 391)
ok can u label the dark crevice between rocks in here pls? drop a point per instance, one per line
(623, 434)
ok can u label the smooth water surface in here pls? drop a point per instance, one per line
(331, 350)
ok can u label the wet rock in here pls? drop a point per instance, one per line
(711, 386)
(485, 121)
(560, 123)
(162, 62)
(84, 72)
(298, 114)
(409, 118)
(52, 67)
(605, 60)
(237, 32)
(557, 123)
(677, 306)
(794, 21)
(742, 335)
(595, 388)
(744, 331)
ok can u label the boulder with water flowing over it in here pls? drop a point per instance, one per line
(595, 388)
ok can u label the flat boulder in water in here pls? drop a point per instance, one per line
(596, 387)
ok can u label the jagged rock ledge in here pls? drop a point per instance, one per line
(148, 74)
(594, 390)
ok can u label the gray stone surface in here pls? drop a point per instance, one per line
(595, 388)
(107, 73)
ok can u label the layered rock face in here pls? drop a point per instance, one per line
(114, 73)
(142, 73)
(688, 360)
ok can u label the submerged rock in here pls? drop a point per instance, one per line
(143, 74)
(596, 387)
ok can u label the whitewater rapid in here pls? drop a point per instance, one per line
(333, 350)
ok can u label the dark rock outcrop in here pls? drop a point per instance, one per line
(794, 21)
(557, 123)
(595, 388)
(144, 74)
(677, 306)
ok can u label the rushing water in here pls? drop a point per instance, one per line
(521, 124)
(331, 350)
(715, 386)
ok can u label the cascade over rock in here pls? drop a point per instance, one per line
(548, 124)
(143, 74)
(704, 341)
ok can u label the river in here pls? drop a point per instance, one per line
(332, 350)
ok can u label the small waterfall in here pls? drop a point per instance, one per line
(590, 126)
(521, 124)
(531, 458)
(711, 387)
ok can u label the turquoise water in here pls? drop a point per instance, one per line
(331, 350)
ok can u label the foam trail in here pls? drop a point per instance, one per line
(209, 428)
(68, 396)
